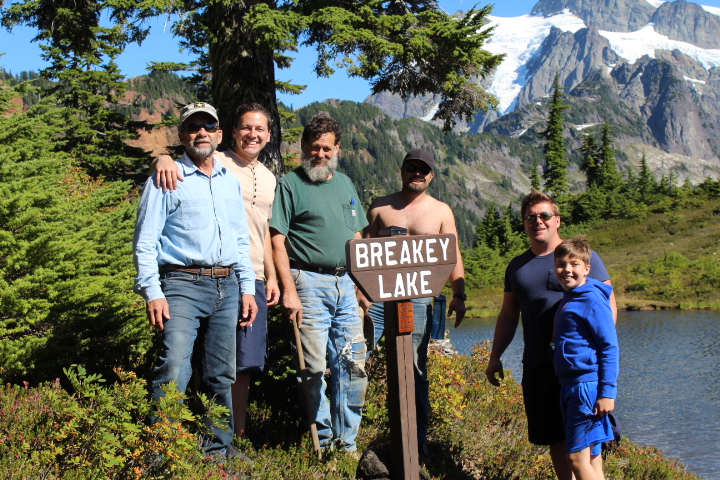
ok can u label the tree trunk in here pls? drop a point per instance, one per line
(241, 72)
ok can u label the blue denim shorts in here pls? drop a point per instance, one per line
(252, 341)
(583, 428)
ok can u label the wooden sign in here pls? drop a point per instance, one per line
(401, 267)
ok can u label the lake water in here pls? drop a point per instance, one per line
(669, 387)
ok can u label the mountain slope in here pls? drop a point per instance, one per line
(660, 63)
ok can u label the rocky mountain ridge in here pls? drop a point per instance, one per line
(667, 100)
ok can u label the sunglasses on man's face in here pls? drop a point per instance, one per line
(544, 216)
(410, 168)
(195, 127)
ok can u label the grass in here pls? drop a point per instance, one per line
(665, 261)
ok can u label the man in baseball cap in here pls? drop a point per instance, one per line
(197, 107)
(421, 155)
(192, 255)
(421, 214)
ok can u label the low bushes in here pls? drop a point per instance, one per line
(100, 431)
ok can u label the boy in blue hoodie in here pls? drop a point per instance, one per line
(586, 359)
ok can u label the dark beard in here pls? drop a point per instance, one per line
(416, 188)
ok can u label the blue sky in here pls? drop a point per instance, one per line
(22, 54)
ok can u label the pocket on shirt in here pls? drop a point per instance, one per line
(552, 283)
(350, 213)
(233, 212)
(195, 214)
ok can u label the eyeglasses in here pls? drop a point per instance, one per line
(195, 127)
(544, 216)
(410, 168)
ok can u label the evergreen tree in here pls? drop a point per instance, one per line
(534, 176)
(65, 259)
(664, 187)
(647, 185)
(609, 178)
(82, 55)
(589, 164)
(555, 175)
(630, 186)
(513, 237)
(671, 183)
(500, 233)
(491, 228)
(710, 187)
(408, 48)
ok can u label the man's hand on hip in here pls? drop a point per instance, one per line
(248, 311)
(158, 312)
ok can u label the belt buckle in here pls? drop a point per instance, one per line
(340, 271)
(212, 272)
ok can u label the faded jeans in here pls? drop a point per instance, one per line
(422, 311)
(203, 317)
(332, 329)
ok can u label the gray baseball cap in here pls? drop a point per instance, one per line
(197, 107)
(422, 155)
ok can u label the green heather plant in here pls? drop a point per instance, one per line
(99, 431)
(483, 429)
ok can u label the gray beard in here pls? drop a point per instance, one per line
(203, 150)
(319, 173)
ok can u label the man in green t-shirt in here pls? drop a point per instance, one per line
(315, 212)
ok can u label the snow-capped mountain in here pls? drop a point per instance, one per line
(658, 63)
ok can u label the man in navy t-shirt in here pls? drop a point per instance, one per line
(533, 292)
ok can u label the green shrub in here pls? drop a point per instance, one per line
(99, 431)
(66, 268)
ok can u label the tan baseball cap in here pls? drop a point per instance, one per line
(197, 107)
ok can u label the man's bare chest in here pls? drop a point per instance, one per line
(418, 222)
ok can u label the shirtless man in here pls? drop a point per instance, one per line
(421, 214)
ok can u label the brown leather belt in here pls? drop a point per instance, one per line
(336, 271)
(212, 272)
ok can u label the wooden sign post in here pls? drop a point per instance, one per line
(389, 270)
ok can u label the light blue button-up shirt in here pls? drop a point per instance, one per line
(202, 223)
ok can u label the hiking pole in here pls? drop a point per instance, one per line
(306, 394)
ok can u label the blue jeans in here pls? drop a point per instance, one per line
(422, 310)
(203, 318)
(332, 329)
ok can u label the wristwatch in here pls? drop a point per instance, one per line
(461, 296)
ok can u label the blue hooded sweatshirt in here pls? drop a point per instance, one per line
(586, 345)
